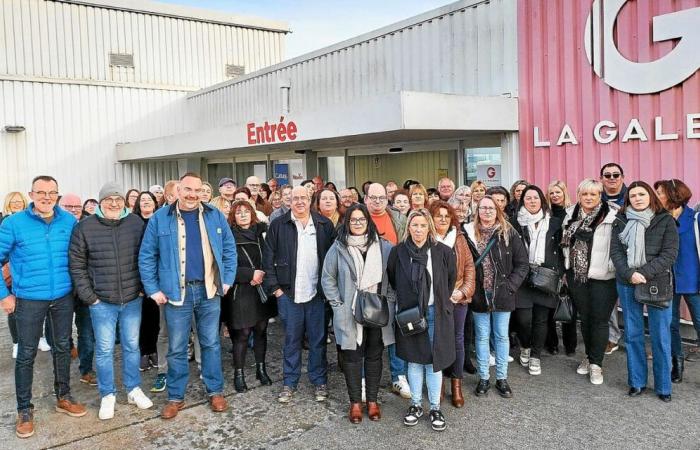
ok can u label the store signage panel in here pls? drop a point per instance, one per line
(271, 133)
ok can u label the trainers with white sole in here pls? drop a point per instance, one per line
(138, 398)
(15, 347)
(534, 366)
(43, 345)
(524, 357)
(492, 360)
(401, 387)
(584, 368)
(107, 407)
(596, 375)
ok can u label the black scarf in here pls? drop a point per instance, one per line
(420, 278)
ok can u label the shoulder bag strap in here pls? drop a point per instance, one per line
(252, 266)
(486, 251)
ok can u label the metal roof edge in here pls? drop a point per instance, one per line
(375, 34)
(185, 12)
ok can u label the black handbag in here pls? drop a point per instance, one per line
(261, 291)
(564, 311)
(657, 292)
(544, 279)
(371, 309)
(411, 321)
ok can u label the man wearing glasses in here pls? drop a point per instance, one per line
(35, 241)
(187, 263)
(295, 246)
(253, 184)
(104, 253)
(614, 189)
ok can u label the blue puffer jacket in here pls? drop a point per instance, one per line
(159, 260)
(38, 254)
(686, 270)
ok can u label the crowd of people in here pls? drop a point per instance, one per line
(429, 275)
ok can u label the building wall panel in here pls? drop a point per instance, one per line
(461, 49)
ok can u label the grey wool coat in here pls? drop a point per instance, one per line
(339, 288)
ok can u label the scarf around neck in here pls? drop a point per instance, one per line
(368, 269)
(537, 226)
(633, 236)
(450, 238)
(579, 236)
(486, 233)
(420, 278)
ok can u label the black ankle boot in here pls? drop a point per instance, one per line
(677, 369)
(261, 374)
(239, 381)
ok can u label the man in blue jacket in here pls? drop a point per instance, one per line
(187, 262)
(35, 241)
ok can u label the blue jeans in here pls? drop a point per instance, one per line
(432, 379)
(693, 302)
(86, 338)
(297, 319)
(105, 317)
(660, 332)
(30, 315)
(482, 327)
(397, 366)
(179, 322)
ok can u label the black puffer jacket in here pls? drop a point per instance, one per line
(104, 259)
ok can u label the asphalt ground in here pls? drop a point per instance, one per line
(558, 409)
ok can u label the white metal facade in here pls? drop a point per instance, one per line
(468, 48)
(56, 80)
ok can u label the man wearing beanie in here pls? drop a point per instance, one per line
(104, 251)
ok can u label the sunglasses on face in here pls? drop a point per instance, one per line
(614, 175)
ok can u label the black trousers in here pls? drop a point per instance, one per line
(594, 300)
(150, 326)
(532, 326)
(369, 356)
(568, 333)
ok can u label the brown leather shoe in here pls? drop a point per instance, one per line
(66, 405)
(457, 398)
(171, 409)
(218, 403)
(355, 414)
(373, 411)
(25, 424)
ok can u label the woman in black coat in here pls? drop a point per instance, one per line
(541, 235)
(643, 247)
(245, 312)
(423, 272)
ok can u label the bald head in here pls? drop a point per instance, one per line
(72, 204)
(376, 199)
(253, 184)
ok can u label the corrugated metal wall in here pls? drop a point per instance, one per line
(56, 81)
(62, 40)
(470, 48)
(558, 86)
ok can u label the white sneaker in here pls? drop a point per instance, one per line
(596, 374)
(510, 359)
(524, 357)
(584, 368)
(14, 350)
(534, 366)
(138, 398)
(401, 387)
(492, 360)
(43, 345)
(107, 407)
(364, 394)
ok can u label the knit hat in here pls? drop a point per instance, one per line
(110, 189)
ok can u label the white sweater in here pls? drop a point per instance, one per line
(601, 266)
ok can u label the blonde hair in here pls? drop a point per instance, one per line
(422, 212)
(219, 202)
(476, 184)
(6, 208)
(561, 185)
(589, 184)
(504, 226)
(418, 187)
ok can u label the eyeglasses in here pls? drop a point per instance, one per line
(113, 200)
(441, 217)
(243, 212)
(614, 175)
(300, 199)
(73, 207)
(17, 202)
(253, 186)
(50, 194)
(487, 209)
(358, 221)
(374, 198)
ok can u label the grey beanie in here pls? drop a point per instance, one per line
(110, 189)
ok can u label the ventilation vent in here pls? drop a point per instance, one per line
(233, 71)
(121, 59)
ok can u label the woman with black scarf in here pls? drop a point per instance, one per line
(590, 273)
(245, 313)
(422, 271)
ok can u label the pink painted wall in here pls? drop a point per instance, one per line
(557, 85)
